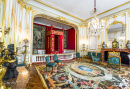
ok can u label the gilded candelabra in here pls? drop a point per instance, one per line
(3, 60)
(83, 49)
(25, 51)
(6, 30)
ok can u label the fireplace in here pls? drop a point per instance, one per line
(123, 53)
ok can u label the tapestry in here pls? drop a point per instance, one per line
(83, 75)
(65, 39)
(39, 34)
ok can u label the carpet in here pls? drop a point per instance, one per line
(82, 75)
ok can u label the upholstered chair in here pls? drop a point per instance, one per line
(98, 55)
(94, 53)
(48, 64)
(56, 59)
(21, 64)
(78, 55)
(114, 59)
(95, 59)
(89, 55)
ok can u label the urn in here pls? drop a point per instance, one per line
(104, 45)
(128, 44)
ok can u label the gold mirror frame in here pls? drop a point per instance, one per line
(113, 23)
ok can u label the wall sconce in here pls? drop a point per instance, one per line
(25, 41)
(6, 30)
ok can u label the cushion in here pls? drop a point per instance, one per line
(58, 61)
(22, 64)
(78, 55)
(47, 60)
(114, 61)
(55, 57)
(51, 64)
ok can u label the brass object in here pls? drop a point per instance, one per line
(115, 44)
(6, 30)
(25, 51)
(3, 69)
(1, 46)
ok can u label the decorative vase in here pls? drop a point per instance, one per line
(128, 44)
(104, 45)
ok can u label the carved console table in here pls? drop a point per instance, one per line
(113, 49)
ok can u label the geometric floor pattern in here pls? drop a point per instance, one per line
(83, 75)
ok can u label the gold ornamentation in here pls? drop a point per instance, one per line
(58, 9)
(28, 9)
(129, 13)
(98, 36)
(62, 18)
(27, 29)
(115, 22)
(3, 69)
(123, 14)
(20, 27)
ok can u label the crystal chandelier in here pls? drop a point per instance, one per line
(95, 26)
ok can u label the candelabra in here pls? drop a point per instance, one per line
(6, 30)
(83, 49)
(25, 51)
(3, 60)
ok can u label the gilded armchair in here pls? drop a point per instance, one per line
(114, 59)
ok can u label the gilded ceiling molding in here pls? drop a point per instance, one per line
(58, 9)
(44, 10)
(129, 13)
(60, 20)
(109, 10)
(21, 4)
(28, 8)
(123, 14)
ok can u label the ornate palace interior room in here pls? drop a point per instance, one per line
(64, 44)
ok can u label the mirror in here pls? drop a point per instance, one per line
(116, 31)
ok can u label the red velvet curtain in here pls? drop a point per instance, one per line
(71, 39)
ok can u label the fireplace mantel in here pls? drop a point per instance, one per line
(112, 49)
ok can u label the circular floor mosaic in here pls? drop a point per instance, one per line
(88, 71)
